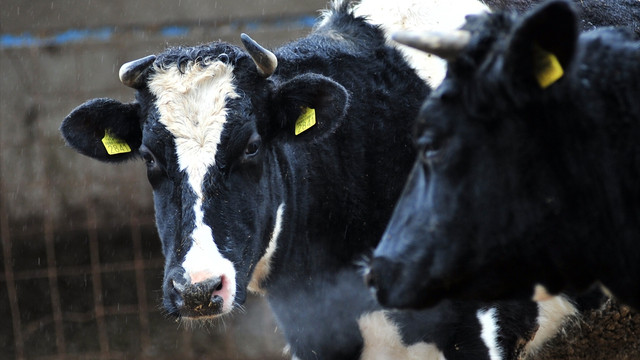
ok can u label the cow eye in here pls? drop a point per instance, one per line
(148, 156)
(153, 168)
(430, 145)
(253, 145)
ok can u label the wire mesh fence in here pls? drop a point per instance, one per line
(92, 292)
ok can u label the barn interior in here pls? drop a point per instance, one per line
(81, 264)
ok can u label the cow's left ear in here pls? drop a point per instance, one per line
(542, 45)
(309, 106)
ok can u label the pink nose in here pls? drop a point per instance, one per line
(199, 276)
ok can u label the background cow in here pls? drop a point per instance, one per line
(528, 166)
(592, 13)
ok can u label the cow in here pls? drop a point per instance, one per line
(527, 168)
(593, 14)
(276, 172)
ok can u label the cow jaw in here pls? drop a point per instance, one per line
(264, 264)
(192, 103)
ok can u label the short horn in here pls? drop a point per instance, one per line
(130, 73)
(444, 45)
(265, 60)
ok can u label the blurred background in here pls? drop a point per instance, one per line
(81, 267)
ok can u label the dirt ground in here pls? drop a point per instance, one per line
(609, 333)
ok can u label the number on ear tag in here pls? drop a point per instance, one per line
(114, 145)
(306, 120)
(547, 67)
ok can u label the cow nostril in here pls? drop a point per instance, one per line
(178, 287)
(219, 287)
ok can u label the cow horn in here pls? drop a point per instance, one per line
(444, 45)
(131, 71)
(265, 60)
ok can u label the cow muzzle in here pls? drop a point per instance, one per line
(208, 297)
(394, 286)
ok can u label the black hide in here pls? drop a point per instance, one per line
(517, 183)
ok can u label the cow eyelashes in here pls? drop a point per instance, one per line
(153, 168)
(148, 156)
(431, 145)
(253, 145)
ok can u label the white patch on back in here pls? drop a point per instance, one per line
(419, 15)
(192, 106)
(552, 313)
(382, 340)
(489, 334)
(264, 265)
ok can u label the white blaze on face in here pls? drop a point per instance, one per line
(192, 106)
(419, 15)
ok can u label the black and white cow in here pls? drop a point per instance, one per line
(592, 13)
(528, 169)
(276, 173)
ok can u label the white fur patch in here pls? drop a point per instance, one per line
(192, 106)
(382, 340)
(419, 15)
(264, 265)
(552, 313)
(540, 293)
(489, 322)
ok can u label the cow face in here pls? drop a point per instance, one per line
(210, 124)
(478, 210)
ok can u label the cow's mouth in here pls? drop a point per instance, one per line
(388, 281)
(398, 285)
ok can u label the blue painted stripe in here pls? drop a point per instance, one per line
(174, 31)
(70, 36)
(104, 34)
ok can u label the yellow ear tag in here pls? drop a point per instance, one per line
(114, 145)
(547, 67)
(306, 120)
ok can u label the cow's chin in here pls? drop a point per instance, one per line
(415, 289)
(209, 311)
(399, 285)
(389, 282)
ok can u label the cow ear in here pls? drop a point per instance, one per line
(309, 106)
(542, 44)
(104, 129)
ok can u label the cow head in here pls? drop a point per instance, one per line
(210, 122)
(483, 200)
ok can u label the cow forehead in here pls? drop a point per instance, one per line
(192, 104)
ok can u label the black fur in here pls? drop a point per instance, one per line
(593, 14)
(515, 184)
(338, 180)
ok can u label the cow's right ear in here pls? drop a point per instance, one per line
(542, 45)
(104, 129)
(309, 106)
